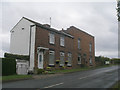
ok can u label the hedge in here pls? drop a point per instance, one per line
(8, 66)
(15, 56)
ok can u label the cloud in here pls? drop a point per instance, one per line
(98, 19)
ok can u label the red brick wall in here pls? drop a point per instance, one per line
(85, 39)
(42, 40)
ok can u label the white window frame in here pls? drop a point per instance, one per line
(90, 47)
(69, 57)
(79, 56)
(51, 38)
(62, 54)
(62, 41)
(90, 61)
(79, 43)
(53, 53)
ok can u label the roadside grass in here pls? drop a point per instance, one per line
(78, 69)
(22, 77)
(0, 78)
(116, 85)
(15, 77)
(70, 70)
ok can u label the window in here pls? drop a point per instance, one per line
(62, 58)
(62, 41)
(90, 47)
(69, 59)
(51, 57)
(79, 43)
(51, 38)
(79, 59)
(90, 61)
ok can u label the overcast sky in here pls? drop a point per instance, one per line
(97, 18)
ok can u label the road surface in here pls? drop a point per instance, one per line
(97, 78)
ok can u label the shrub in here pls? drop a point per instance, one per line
(15, 56)
(40, 71)
(8, 66)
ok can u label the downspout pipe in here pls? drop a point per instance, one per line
(30, 42)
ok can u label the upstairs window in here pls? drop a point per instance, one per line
(79, 59)
(51, 57)
(51, 38)
(69, 59)
(79, 43)
(62, 41)
(90, 47)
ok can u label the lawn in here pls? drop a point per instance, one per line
(78, 69)
(116, 86)
(70, 70)
(15, 77)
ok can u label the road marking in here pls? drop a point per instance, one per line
(53, 85)
(83, 77)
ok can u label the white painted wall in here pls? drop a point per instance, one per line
(32, 53)
(19, 42)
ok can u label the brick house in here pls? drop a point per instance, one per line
(48, 47)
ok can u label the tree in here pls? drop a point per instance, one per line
(118, 9)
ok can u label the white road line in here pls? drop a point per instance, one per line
(53, 85)
(83, 77)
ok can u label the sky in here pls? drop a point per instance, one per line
(96, 18)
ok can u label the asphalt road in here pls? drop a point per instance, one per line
(97, 78)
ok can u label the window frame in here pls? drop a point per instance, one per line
(62, 41)
(79, 42)
(53, 53)
(79, 56)
(62, 56)
(51, 38)
(90, 47)
(69, 58)
(90, 61)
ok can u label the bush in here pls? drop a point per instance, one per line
(101, 60)
(115, 60)
(40, 71)
(8, 66)
(15, 56)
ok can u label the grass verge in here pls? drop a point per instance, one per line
(78, 69)
(15, 77)
(116, 86)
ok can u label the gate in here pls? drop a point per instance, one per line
(21, 67)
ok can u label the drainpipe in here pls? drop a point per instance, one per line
(30, 42)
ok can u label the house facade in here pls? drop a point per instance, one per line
(48, 47)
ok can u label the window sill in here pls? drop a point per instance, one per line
(69, 65)
(61, 65)
(51, 44)
(51, 65)
(62, 46)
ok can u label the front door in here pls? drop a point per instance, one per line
(40, 60)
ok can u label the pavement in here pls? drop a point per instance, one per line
(97, 78)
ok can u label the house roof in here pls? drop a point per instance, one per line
(49, 28)
(79, 30)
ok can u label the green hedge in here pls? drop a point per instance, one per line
(100, 60)
(8, 66)
(15, 56)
